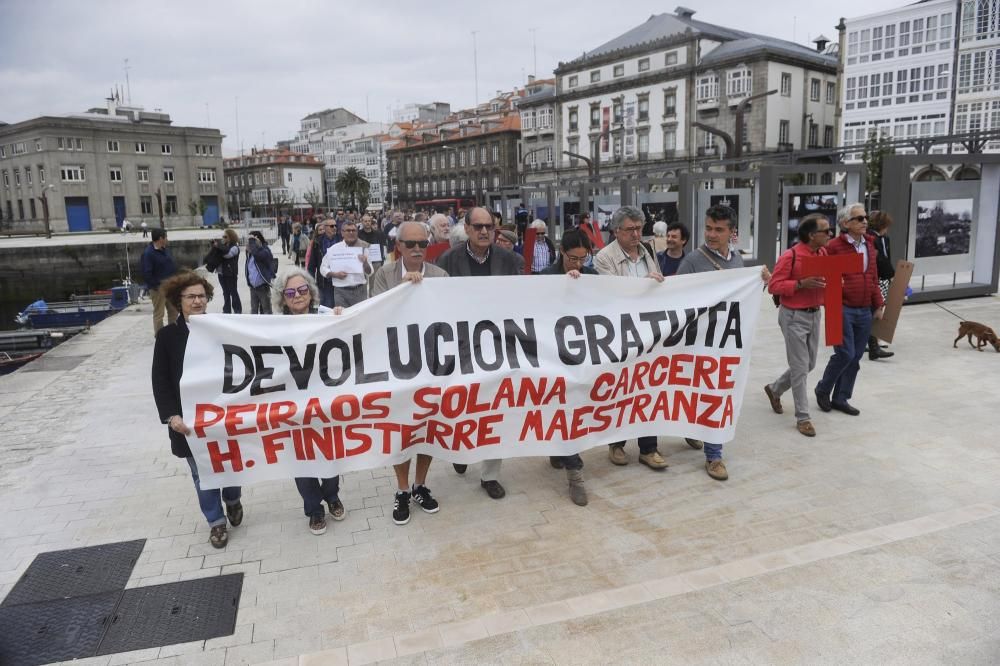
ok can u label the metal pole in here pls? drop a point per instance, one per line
(475, 64)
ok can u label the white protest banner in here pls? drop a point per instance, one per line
(467, 369)
(345, 259)
(374, 253)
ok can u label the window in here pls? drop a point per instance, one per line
(41, 173)
(595, 115)
(573, 119)
(112, 146)
(115, 174)
(6, 178)
(904, 38)
(170, 206)
(168, 174)
(671, 59)
(574, 81)
(786, 84)
(18, 148)
(495, 153)
(27, 175)
(451, 160)
(783, 131)
(461, 158)
(877, 39)
(886, 86)
(831, 92)
(20, 209)
(814, 90)
(31, 205)
(708, 87)
(574, 147)
(59, 144)
(472, 156)
(643, 108)
(146, 205)
(79, 144)
(616, 111)
(669, 102)
(166, 149)
(73, 174)
(644, 65)
(434, 162)
(813, 135)
(669, 140)
(206, 175)
(38, 145)
(828, 136)
(619, 70)
(482, 154)
(739, 83)
(17, 178)
(142, 174)
(545, 118)
(140, 147)
(643, 145)
(595, 76)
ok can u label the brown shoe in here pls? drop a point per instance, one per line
(775, 400)
(617, 455)
(695, 444)
(653, 460)
(716, 469)
(806, 428)
(219, 536)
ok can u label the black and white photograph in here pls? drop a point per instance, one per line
(800, 205)
(944, 227)
(658, 211)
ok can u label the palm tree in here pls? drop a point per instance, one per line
(352, 186)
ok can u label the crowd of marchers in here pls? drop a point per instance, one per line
(397, 247)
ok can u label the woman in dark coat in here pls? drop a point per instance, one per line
(878, 227)
(224, 259)
(190, 294)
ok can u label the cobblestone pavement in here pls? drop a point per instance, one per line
(878, 541)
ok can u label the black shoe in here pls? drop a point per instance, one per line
(846, 408)
(460, 468)
(556, 462)
(823, 400)
(422, 496)
(885, 354)
(235, 513)
(493, 489)
(401, 508)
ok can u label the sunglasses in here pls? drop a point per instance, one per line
(301, 291)
(859, 218)
(828, 231)
(483, 227)
(410, 244)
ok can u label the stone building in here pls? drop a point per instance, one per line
(464, 158)
(93, 170)
(266, 183)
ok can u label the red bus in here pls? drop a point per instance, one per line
(442, 205)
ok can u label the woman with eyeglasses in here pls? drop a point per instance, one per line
(190, 294)
(294, 292)
(574, 251)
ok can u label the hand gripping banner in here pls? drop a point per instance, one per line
(468, 369)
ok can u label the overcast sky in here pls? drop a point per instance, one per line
(284, 59)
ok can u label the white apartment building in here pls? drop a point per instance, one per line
(898, 68)
(977, 98)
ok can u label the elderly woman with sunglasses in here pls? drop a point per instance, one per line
(294, 292)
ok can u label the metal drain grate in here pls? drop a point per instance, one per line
(54, 630)
(159, 615)
(77, 572)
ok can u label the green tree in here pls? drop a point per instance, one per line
(876, 148)
(353, 188)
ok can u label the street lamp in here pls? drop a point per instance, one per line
(524, 162)
(45, 208)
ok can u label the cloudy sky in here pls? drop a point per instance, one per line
(279, 60)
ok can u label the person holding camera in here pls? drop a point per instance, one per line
(223, 258)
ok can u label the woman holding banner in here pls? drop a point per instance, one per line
(294, 292)
(190, 294)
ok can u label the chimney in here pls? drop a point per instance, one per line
(821, 43)
(684, 12)
(531, 79)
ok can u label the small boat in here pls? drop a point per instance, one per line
(9, 362)
(81, 312)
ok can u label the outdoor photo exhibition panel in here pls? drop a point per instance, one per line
(943, 226)
(801, 200)
(740, 200)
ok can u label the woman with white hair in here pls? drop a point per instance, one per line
(659, 237)
(294, 292)
(545, 252)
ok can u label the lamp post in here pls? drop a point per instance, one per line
(524, 162)
(45, 208)
(270, 174)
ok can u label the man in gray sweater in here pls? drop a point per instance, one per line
(716, 255)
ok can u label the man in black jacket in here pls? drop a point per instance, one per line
(480, 256)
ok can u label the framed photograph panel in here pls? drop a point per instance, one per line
(943, 226)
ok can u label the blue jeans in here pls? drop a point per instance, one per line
(314, 491)
(713, 452)
(842, 368)
(208, 500)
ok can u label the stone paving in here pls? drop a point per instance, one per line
(875, 542)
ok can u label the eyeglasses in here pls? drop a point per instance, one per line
(410, 244)
(630, 230)
(574, 259)
(483, 227)
(195, 297)
(828, 231)
(301, 290)
(859, 218)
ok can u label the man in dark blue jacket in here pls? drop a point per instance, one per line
(260, 270)
(157, 265)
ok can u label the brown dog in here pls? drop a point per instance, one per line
(984, 335)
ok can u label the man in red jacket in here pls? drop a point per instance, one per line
(862, 297)
(801, 298)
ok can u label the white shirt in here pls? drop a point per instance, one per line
(861, 247)
(636, 268)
